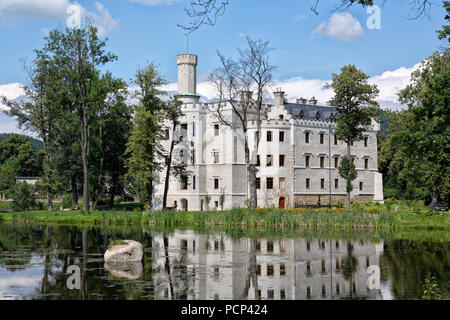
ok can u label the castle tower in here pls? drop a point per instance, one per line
(187, 77)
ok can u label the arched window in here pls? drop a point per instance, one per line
(301, 115)
(317, 115)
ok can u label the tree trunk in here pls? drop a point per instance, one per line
(347, 198)
(73, 187)
(84, 153)
(100, 171)
(169, 165)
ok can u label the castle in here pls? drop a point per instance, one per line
(298, 155)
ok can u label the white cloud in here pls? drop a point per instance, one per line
(57, 10)
(11, 91)
(341, 26)
(155, 2)
(299, 17)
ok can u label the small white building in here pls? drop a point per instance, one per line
(298, 155)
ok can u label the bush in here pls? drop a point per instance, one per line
(67, 201)
(23, 197)
(373, 210)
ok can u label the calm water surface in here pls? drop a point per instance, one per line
(35, 260)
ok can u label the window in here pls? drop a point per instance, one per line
(301, 115)
(258, 183)
(308, 246)
(367, 261)
(322, 138)
(335, 140)
(258, 246)
(322, 183)
(338, 264)
(307, 183)
(181, 153)
(324, 266)
(332, 117)
(317, 115)
(184, 126)
(216, 183)
(308, 266)
(336, 162)
(338, 289)
(270, 294)
(282, 158)
(256, 136)
(282, 269)
(193, 129)
(270, 270)
(281, 136)
(193, 183)
(353, 160)
(360, 186)
(366, 141)
(166, 134)
(337, 244)
(322, 162)
(282, 183)
(216, 130)
(269, 160)
(366, 164)
(258, 270)
(193, 156)
(216, 156)
(282, 294)
(269, 183)
(324, 291)
(269, 246)
(281, 117)
(308, 292)
(184, 183)
(269, 136)
(336, 183)
(306, 137)
(258, 161)
(307, 161)
(216, 203)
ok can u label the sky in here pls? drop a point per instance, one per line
(384, 42)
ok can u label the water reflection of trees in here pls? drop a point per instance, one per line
(407, 263)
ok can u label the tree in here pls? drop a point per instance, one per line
(354, 99)
(23, 197)
(41, 111)
(206, 12)
(234, 82)
(144, 148)
(7, 178)
(178, 168)
(428, 100)
(18, 153)
(445, 32)
(77, 55)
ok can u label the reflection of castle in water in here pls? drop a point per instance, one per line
(199, 267)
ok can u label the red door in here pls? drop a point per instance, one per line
(282, 206)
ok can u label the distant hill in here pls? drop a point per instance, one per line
(37, 144)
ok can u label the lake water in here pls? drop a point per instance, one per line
(45, 262)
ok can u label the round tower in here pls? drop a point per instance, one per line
(187, 77)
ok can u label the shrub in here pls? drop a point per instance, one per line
(23, 197)
(373, 210)
(67, 201)
(431, 289)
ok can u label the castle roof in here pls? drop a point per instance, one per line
(310, 111)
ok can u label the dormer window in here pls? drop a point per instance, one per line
(281, 117)
(317, 115)
(332, 117)
(301, 115)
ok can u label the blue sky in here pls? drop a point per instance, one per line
(308, 48)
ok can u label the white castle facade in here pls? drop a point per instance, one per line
(297, 159)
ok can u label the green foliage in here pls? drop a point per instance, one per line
(143, 147)
(116, 242)
(431, 289)
(67, 201)
(444, 33)
(7, 178)
(23, 197)
(426, 152)
(347, 171)
(17, 152)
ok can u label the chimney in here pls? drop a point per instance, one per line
(330, 103)
(302, 101)
(312, 101)
(279, 97)
(246, 97)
